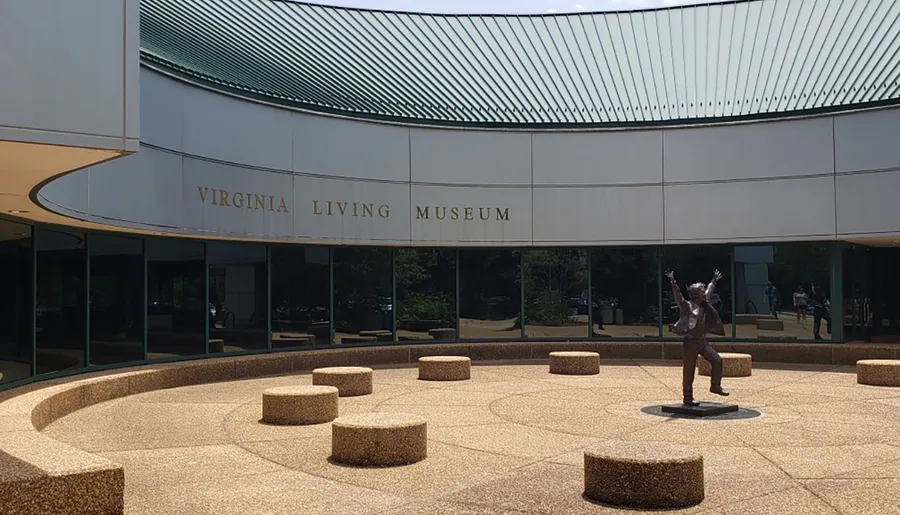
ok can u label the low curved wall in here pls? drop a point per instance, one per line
(40, 475)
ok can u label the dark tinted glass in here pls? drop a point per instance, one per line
(238, 296)
(426, 294)
(16, 303)
(696, 265)
(300, 296)
(363, 295)
(61, 304)
(624, 292)
(176, 298)
(555, 280)
(117, 299)
(782, 291)
(490, 294)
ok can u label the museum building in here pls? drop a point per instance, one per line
(184, 178)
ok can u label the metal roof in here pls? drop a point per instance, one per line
(694, 64)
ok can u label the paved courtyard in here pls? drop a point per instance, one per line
(508, 441)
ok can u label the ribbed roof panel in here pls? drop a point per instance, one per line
(703, 63)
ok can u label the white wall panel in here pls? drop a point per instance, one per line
(331, 146)
(162, 110)
(758, 150)
(62, 68)
(237, 131)
(622, 157)
(470, 157)
(784, 209)
(867, 203)
(345, 210)
(471, 214)
(235, 201)
(132, 49)
(144, 188)
(867, 141)
(598, 214)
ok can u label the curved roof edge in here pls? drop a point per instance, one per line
(741, 60)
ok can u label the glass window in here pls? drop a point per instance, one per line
(117, 299)
(61, 308)
(16, 305)
(624, 293)
(696, 264)
(489, 294)
(363, 295)
(176, 298)
(782, 291)
(555, 280)
(426, 294)
(300, 296)
(238, 296)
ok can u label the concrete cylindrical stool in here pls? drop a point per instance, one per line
(644, 475)
(878, 372)
(443, 333)
(574, 363)
(445, 368)
(379, 439)
(300, 405)
(733, 365)
(216, 345)
(350, 381)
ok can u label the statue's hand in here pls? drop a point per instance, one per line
(670, 274)
(717, 275)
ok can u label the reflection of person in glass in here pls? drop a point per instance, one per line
(820, 310)
(697, 318)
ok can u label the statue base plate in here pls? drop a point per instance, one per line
(704, 409)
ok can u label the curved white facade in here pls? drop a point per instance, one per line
(215, 166)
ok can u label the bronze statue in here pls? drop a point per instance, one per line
(697, 319)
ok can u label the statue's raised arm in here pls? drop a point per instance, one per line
(711, 287)
(676, 291)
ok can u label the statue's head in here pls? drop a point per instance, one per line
(697, 292)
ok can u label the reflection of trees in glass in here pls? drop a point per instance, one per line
(799, 264)
(426, 283)
(626, 279)
(362, 289)
(554, 280)
(489, 284)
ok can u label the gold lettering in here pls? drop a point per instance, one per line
(454, 213)
(214, 197)
(329, 208)
(484, 213)
(421, 213)
(384, 211)
(223, 198)
(342, 207)
(355, 210)
(282, 208)
(368, 208)
(238, 197)
(503, 215)
(468, 212)
(316, 208)
(203, 191)
(260, 201)
(440, 212)
(249, 200)
(271, 203)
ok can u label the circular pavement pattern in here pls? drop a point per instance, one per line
(511, 440)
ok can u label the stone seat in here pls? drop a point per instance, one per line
(350, 381)
(574, 363)
(359, 339)
(733, 365)
(300, 405)
(374, 332)
(769, 325)
(878, 372)
(644, 475)
(445, 368)
(379, 439)
(216, 345)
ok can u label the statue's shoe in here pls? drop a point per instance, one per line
(690, 402)
(718, 390)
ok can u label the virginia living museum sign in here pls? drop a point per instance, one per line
(255, 201)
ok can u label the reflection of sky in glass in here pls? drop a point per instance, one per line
(509, 6)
